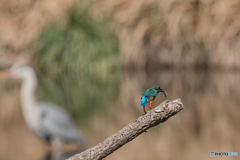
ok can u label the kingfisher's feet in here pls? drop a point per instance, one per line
(144, 110)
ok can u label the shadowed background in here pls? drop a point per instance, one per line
(96, 58)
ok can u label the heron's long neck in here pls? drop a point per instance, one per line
(28, 103)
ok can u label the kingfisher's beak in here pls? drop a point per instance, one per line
(5, 73)
(165, 93)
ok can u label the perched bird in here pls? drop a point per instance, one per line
(47, 120)
(149, 95)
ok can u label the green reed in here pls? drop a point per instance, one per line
(78, 64)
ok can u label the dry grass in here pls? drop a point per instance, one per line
(176, 33)
(152, 34)
(21, 22)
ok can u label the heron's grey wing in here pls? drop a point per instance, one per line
(57, 123)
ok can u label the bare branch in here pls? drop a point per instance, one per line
(153, 117)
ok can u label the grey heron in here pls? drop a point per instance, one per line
(47, 120)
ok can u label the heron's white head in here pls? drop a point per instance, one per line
(17, 71)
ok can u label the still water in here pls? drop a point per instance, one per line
(103, 105)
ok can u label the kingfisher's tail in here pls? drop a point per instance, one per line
(143, 101)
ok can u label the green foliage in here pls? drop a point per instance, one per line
(78, 64)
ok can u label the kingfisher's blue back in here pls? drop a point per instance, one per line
(146, 95)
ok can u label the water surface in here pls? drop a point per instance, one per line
(102, 106)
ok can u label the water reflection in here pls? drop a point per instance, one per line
(82, 95)
(59, 155)
(208, 123)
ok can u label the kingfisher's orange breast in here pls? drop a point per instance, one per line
(150, 99)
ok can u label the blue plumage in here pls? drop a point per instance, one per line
(146, 95)
(143, 101)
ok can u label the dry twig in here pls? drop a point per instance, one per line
(153, 117)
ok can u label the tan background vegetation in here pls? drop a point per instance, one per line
(152, 34)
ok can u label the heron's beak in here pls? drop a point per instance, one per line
(165, 93)
(5, 73)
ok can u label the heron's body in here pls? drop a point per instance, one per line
(55, 123)
(47, 120)
(149, 95)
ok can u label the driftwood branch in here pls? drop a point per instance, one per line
(153, 117)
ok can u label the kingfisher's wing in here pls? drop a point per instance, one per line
(150, 93)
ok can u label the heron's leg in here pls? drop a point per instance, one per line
(56, 143)
(150, 105)
(144, 110)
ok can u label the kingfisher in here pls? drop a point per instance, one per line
(149, 95)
